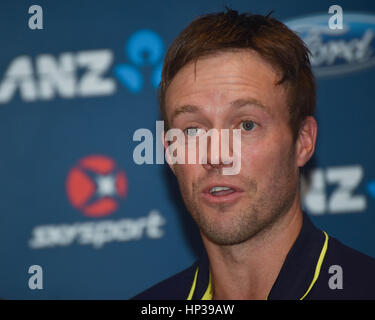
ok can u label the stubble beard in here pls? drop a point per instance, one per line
(260, 213)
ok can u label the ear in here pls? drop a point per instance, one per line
(167, 155)
(305, 144)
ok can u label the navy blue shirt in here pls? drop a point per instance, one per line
(317, 267)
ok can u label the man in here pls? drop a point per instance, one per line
(250, 72)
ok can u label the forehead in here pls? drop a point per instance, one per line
(219, 79)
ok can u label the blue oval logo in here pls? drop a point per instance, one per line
(339, 51)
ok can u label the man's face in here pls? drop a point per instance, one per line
(235, 90)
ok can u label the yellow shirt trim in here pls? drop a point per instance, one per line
(208, 293)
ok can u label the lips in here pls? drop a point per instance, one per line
(221, 193)
(220, 186)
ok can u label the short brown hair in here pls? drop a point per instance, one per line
(271, 39)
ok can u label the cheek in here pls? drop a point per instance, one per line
(185, 176)
(267, 160)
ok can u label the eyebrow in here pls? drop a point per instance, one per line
(248, 102)
(184, 109)
(239, 103)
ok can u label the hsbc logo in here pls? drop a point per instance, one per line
(95, 187)
(83, 74)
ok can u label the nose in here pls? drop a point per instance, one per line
(219, 149)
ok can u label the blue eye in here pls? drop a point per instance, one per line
(248, 125)
(191, 131)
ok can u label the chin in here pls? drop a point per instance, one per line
(225, 237)
(224, 229)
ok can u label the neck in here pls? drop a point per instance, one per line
(247, 271)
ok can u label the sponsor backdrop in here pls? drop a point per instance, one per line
(72, 95)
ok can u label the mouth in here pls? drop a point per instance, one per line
(221, 193)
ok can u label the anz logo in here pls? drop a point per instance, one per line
(336, 190)
(143, 48)
(85, 73)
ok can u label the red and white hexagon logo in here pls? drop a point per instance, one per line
(95, 185)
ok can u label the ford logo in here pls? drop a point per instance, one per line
(339, 51)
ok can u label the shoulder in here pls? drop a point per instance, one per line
(345, 274)
(351, 258)
(174, 288)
